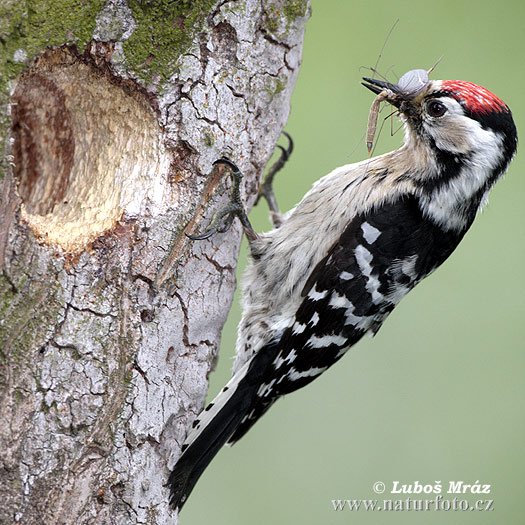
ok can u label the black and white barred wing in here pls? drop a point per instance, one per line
(377, 260)
(324, 326)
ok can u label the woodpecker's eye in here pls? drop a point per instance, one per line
(436, 108)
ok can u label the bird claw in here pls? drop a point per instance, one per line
(206, 235)
(266, 189)
(223, 219)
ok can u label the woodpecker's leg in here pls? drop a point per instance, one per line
(223, 219)
(266, 190)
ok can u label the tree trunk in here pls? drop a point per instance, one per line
(111, 116)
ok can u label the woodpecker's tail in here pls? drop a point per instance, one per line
(214, 426)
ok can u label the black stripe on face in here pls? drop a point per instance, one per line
(451, 164)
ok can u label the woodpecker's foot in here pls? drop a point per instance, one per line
(223, 219)
(266, 189)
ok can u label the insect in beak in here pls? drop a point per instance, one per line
(384, 91)
(409, 85)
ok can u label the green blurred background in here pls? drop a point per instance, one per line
(439, 393)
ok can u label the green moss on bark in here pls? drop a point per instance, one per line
(32, 25)
(281, 14)
(294, 9)
(275, 86)
(165, 30)
(26, 28)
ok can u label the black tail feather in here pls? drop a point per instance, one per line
(256, 412)
(218, 430)
(198, 455)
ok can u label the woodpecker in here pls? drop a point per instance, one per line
(336, 265)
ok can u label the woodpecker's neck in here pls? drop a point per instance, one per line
(453, 185)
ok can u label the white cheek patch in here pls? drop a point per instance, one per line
(450, 132)
(481, 150)
(457, 133)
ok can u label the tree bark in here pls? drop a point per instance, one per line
(110, 318)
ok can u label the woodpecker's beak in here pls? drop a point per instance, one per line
(378, 86)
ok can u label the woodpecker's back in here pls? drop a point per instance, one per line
(356, 244)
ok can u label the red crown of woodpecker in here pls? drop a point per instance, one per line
(477, 99)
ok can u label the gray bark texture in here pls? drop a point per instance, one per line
(110, 318)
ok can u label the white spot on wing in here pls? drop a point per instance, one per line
(408, 266)
(401, 268)
(288, 359)
(315, 319)
(345, 276)
(355, 320)
(340, 301)
(370, 233)
(326, 340)
(266, 389)
(298, 328)
(317, 296)
(363, 258)
(397, 293)
(294, 374)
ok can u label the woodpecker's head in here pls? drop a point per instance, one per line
(453, 116)
(466, 131)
